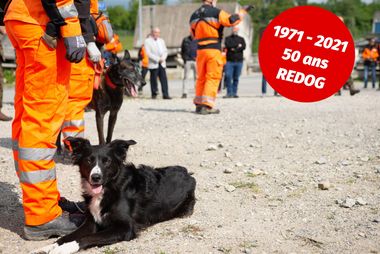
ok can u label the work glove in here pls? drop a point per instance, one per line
(248, 8)
(93, 52)
(50, 35)
(75, 48)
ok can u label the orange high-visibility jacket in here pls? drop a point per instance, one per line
(115, 45)
(370, 54)
(207, 24)
(144, 57)
(41, 12)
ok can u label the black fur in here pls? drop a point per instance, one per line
(125, 75)
(132, 197)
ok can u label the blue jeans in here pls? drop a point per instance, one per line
(371, 67)
(264, 86)
(232, 72)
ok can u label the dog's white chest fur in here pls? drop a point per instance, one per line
(95, 208)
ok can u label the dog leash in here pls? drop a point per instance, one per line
(98, 68)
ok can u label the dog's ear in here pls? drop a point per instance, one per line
(78, 146)
(120, 148)
(127, 55)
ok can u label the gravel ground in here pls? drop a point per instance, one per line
(257, 164)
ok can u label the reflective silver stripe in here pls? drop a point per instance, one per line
(37, 176)
(199, 99)
(72, 134)
(14, 145)
(209, 19)
(68, 11)
(73, 123)
(36, 154)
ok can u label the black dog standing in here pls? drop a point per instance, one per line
(121, 75)
(121, 198)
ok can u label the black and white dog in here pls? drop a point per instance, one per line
(122, 199)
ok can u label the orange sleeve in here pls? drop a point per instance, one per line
(94, 6)
(365, 53)
(227, 19)
(64, 14)
(375, 55)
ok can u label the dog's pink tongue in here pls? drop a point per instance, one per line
(133, 91)
(97, 190)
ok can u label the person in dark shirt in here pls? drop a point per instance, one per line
(188, 53)
(235, 46)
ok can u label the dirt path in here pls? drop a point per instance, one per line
(273, 151)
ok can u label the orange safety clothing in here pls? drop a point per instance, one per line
(114, 46)
(80, 91)
(33, 12)
(94, 7)
(370, 54)
(80, 95)
(207, 24)
(42, 78)
(144, 57)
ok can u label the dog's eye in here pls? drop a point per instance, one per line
(90, 160)
(106, 161)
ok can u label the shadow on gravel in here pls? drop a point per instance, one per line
(6, 143)
(11, 213)
(167, 110)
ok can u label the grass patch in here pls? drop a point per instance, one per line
(297, 193)
(250, 174)
(9, 77)
(225, 250)
(110, 250)
(246, 185)
(248, 245)
(126, 39)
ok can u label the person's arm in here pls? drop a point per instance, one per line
(184, 48)
(227, 19)
(241, 45)
(83, 7)
(365, 54)
(165, 53)
(64, 17)
(228, 43)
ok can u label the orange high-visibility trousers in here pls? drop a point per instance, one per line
(80, 95)
(42, 78)
(209, 67)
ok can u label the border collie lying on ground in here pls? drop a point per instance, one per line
(121, 198)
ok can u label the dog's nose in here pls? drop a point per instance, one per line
(96, 178)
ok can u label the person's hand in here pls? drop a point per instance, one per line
(50, 35)
(75, 48)
(93, 52)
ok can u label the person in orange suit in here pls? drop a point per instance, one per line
(144, 59)
(42, 79)
(207, 25)
(370, 56)
(82, 74)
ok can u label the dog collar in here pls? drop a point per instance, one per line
(109, 82)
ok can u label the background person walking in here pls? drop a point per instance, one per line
(207, 24)
(235, 46)
(189, 54)
(157, 52)
(370, 55)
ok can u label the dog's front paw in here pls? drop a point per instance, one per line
(66, 248)
(45, 250)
